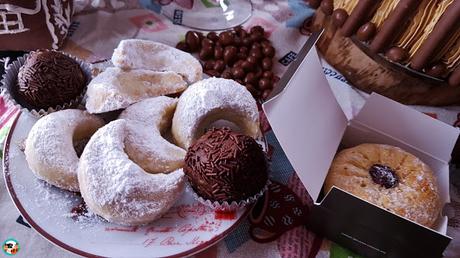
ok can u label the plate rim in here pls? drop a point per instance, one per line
(57, 242)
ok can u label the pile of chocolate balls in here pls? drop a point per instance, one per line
(238, 54)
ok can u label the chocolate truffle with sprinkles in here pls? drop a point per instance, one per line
(223, 165)
(48, 79)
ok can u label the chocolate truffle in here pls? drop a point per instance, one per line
(226, 166)
(49, 78)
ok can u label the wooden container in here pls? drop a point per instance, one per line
(374, 73)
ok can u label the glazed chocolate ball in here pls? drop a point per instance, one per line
(247, 66)
(230, 54)
(268, 74)
(247, 41)
(238, 72)
(243, 50)
(212, 73)
(306, 28)
(212, 36)
(256, 53)
(227, 74)
(256, 36)
(258, 72)
(268, 51)
(219, 65)
(256, 45)
(226, 38)
(48, 79)
(209, 65)
(255, 92)
(397, 54)
(183, 46)
(237, 41)
(366, 32)
(237, 63)
(266, 94)
(241, 56)
(206, 52)
(257, 29)
(265, 84)
(267, 64)
(207, 42)
(436, 70)
(339, 17)
(218, 52)
(250, 78)
(265, 43)
(226, 166)
(327, 6)
(192, 38)
(240, 31)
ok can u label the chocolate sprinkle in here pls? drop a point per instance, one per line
(49, 78)
(226, 166)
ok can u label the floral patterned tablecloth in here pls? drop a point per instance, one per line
(97, 28)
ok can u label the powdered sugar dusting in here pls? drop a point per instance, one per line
(209, 100)
(49, 146)
(115, 88)
(116, 188)
(63, 201)
(153, 111)
(145, 54)
(188, 223)
(144, 143)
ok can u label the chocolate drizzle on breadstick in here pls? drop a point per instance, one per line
(360, 14)
(454, 79)
(394, 24)
(446, 26)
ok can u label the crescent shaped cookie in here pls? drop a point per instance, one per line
(146, 145)
(116, 188)
(50, 151)
(210, 100)
(149, 55)
(115, 88)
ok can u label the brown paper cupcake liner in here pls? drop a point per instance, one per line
(232, 206)
(9, 81)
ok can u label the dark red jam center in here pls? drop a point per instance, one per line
(383, 175)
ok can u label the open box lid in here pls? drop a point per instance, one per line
(438, 137)
(309, 123)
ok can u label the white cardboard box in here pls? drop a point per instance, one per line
(310, 125)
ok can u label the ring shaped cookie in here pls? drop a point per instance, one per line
(413, 195)
(116, 188)
(210, 100)
(50, 149)
(146, 145)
